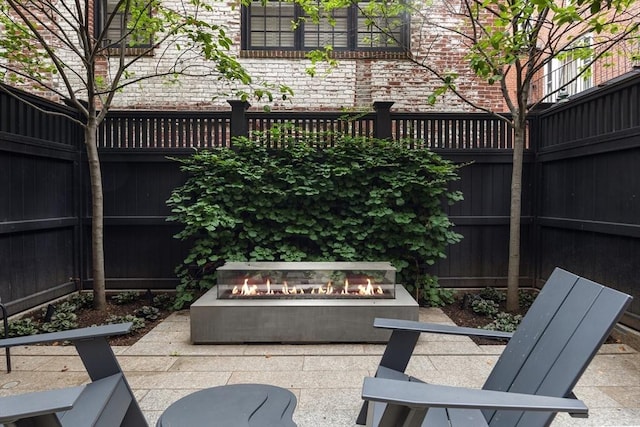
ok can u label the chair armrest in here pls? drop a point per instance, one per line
(28, 405)
(421, 395)
(410, 325)
(70, 335)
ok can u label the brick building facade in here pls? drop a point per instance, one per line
(360, 77)
(367, 69)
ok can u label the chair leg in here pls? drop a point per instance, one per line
(5, 320)
(100, 362)
(396, 356)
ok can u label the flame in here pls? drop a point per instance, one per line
(246, 290)
(345, 290)
(266, 288)
(366, 290)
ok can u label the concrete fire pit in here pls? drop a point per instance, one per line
(318, 319)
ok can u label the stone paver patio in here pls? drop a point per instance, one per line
(163, 367)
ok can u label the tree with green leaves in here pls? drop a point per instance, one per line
(509, 43)
(86, 53)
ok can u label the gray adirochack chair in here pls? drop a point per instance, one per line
(532, 380)
(108, 401)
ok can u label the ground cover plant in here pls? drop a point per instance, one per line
(356, 200)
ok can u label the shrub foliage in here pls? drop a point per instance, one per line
(357, 200)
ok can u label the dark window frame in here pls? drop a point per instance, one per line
(299, 34)
(101, 15)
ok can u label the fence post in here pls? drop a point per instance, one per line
(239, 125)
(383, 119)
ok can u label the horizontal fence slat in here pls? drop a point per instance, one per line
(36, 224)
(604, 227)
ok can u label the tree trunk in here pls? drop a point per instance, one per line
(513, 274)
(97, 215)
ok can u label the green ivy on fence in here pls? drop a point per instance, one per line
(359, 199)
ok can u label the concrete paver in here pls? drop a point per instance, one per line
(163, 366)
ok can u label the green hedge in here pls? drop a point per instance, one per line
(361, 199)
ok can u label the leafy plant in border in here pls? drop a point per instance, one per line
(485, 307)
(21, 327)
(505, 322)
(492, 294)
(526, 298)
(430, 293)
(82, 299)
(356, 200)
(138, 322)
(162, 301)
(125, 297)
(61, 321)
(147, 312)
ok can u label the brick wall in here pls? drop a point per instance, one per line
(357, 81)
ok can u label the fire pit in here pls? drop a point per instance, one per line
(300, 302)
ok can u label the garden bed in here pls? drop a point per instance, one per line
(462, 314)
(76, 311)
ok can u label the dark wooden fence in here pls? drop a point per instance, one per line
(587, 200)
(39, 200)
(580, 196)
(139, 177)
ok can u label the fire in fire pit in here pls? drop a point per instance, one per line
(254, 290)
(306, 280)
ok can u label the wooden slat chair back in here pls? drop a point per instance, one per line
(544, 359)
(569, 321)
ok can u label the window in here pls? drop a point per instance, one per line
(117, 32)
(568, 73)
(282, 26)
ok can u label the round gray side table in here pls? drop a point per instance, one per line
(246, 405)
